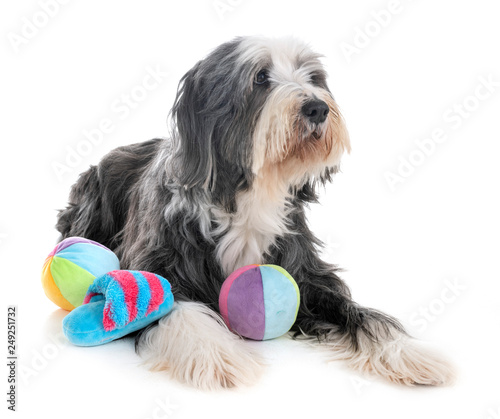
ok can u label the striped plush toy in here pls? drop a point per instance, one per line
(116, 304)
(72, 266)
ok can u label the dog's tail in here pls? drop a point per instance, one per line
(373, 342)
(195, 346)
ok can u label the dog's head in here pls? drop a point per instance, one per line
(256, 108)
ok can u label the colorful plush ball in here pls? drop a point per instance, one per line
(72, 266)
(259, 301)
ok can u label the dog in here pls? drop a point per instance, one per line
(255, 131)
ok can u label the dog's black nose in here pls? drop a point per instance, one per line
(315, 110)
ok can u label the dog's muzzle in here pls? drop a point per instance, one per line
(315, 111)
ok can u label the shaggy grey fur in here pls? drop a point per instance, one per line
(151, 202)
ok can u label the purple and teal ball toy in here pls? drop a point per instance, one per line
(259, 302)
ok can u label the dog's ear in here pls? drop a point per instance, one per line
(193, 151)
(212, 135)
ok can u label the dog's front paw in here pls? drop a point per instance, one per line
(408, 362)
(194, 345)
(402, 361)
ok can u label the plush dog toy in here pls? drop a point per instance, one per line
(116, 304)
(83, 276)
(259, 302)
(72, 266)
(256, 301)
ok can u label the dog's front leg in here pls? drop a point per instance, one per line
(369, 340)
(192, 342)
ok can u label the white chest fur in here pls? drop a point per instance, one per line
(249, 232)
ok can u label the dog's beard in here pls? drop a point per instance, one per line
(289, 151)
(285, 140)
(315, 143)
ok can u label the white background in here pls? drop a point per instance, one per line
(401, 248)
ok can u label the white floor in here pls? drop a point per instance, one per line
(426, 250)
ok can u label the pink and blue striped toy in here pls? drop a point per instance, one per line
(116, 304)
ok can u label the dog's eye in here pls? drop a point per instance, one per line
(318, 79)
(261, 77)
